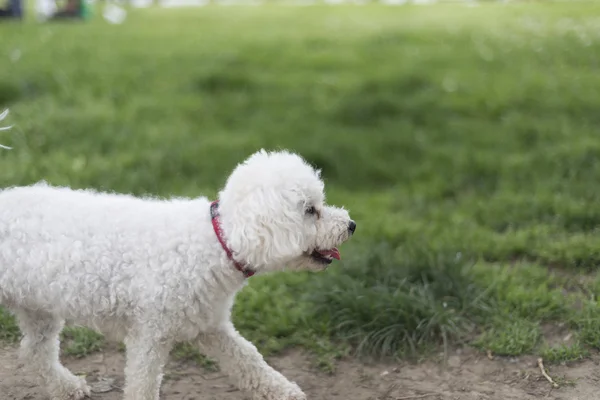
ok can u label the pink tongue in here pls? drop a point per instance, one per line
(335, 253)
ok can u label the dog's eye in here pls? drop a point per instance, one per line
(311, 210)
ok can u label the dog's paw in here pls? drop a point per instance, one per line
(76, 389)
(81, 391)
(289, 392)
(299, 396)
(79, 394)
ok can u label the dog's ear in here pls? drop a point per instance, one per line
(261, 231)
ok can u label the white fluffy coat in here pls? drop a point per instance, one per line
(152, 272)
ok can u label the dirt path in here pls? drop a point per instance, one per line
(468, 375)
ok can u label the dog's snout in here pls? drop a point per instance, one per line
(352, 227)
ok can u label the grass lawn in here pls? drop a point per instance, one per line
(463, 140)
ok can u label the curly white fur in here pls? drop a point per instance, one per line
(152, 272)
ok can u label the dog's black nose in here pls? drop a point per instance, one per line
(352, 226)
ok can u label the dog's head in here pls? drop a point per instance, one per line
(274, 215)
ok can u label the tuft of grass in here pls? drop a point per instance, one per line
(587, 322)
(187, 352)
(80, 342)
(510, 336)
(9, 331)
(563, 353)
(325, 352)
(525, 290)
(564, 381)
(389, 302)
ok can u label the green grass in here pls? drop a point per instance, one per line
(510, 337)
(463, 140)
(187, 352)
(80, 342)
(390, 302)
(564, 353)
(8, 328)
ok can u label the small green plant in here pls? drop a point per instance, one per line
(9, 331)
(510, 337)
(587, 321)
(563, 353)
(80, 342)
(187, 352)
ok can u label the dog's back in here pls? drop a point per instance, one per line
(64, 249)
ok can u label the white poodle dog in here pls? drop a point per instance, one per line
(152, 272)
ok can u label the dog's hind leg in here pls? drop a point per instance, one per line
(40, 348)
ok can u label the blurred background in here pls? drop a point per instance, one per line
(463, 138)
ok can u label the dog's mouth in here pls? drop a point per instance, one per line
(325, 256)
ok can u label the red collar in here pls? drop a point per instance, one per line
(214, 215)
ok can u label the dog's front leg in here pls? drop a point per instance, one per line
(245, 365)
(147, 353)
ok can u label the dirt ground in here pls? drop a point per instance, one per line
(467, 375)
